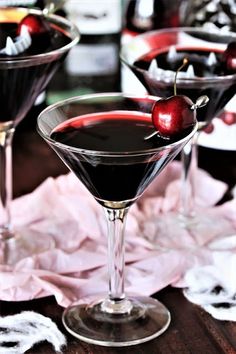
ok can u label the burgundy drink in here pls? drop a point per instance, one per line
(105, 140)
(32, 45)
(157, 59)
(21, 84)
(115, 178)
(219, 92)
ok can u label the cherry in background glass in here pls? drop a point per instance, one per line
(22, 79)
(220, 88)
(116, 164)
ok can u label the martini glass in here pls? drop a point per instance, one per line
(22, 79)
(154, 58)
(100, 138)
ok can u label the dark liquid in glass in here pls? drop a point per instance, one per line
(19, 87)
(118, 177)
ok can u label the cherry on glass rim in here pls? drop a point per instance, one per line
(35, 24)
(173, 115)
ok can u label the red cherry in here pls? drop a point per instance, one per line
(35, 24)
(229, 118)
(229, 57)
(173, 115)
(209, 128)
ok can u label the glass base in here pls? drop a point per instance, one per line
(175, 231)
(146, 319)
(24, 243)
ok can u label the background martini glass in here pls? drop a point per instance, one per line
(22, 78)
(101, 139)
(154, 58)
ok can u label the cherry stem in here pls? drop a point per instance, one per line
(185, 62)
(150, 135)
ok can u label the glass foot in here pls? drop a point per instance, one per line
(146, 319)
(24, 243)
(174, 231)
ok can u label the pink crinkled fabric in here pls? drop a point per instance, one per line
(77, 266)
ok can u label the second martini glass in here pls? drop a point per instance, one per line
(154, 58)
(101, 138)
(22, 78)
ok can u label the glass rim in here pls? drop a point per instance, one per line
(43, 56)
(197, 79)
(102, 153)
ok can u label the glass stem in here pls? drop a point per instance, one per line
(189, 162)
(6, 135)
(116, 303)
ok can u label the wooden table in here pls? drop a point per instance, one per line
(192, 331)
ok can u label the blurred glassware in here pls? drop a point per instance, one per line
(54, 6)
(214, 15)
(171, 45)
(22, 78)
(209, 14)
(141, 16)
(146, 15)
